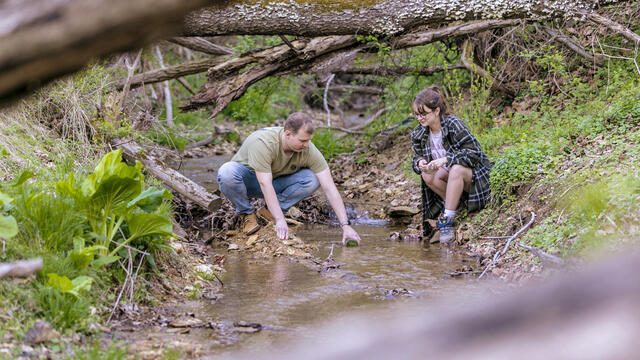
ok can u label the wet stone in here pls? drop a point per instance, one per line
(186, 322)
(40, 332)
(400, 211)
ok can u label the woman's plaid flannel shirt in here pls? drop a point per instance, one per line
(462, 148)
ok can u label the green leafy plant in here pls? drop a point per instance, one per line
(112, 195)
(8, 225)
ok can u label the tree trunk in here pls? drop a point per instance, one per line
(386, 17)
(43, 39)
(173, 179)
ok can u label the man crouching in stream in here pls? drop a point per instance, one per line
(283, 166)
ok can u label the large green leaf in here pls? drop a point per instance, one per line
(8, 227)
(111, 165)
(104, 260)
(61, 283)
(82, 256)
(145, 224)
(5, 199)
(114, 194)
(150, 199)
(66, 286)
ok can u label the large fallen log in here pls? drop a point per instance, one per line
(170, 177)
(20, 268)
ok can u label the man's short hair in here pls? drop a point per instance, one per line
(298, 120)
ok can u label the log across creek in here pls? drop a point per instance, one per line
(170, 177)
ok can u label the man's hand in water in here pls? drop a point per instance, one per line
(282, 229)
(349, 233)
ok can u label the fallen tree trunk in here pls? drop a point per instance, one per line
(173, 179)
(20, 268)
(225, 84)
(43, 39)
(388, 17)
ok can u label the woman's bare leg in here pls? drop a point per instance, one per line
(459, 180)
(435, 182)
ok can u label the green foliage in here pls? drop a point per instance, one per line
(113, 194)
(549, 235)
(8, 225)
(62, 310)
(330, 145)
(517, 166)
(65, 285)
(266, 101)
(47, 219)
(115, 351)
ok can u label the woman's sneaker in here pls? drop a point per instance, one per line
(447, 232)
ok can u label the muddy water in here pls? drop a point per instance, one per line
(289, 299)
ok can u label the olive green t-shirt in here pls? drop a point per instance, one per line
(262, 151)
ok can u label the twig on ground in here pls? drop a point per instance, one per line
(494, 237)
(547, 259)
(495, 257)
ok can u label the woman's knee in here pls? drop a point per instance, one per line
(428, 178)
(458, 171)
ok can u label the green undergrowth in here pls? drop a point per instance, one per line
(66, 200)
(573, 158)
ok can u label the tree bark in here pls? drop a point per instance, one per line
(202, 45)
(43, 39)
(173, 72)
(388, 17)
(20, 268)
(226, 85)
(399, 70)
(173, 179)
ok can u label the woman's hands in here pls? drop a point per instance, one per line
(433, 165)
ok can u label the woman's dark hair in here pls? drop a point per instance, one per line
(432, 98)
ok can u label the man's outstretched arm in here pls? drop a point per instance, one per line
(329, 188)
(266, 185)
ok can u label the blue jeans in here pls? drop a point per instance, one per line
(238, 184)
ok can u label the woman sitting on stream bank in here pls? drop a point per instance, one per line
(450, 161)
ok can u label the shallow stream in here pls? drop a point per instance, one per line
(289, 299)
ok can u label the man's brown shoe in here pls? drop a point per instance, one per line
(265, 214)
(250, 223)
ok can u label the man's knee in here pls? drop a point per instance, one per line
(229, 173)
(308, 180)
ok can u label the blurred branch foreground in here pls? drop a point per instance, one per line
(593, 314)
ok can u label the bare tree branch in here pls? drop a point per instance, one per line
(467, 60)
(202, 45)
(619, 28)
(556, 35)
